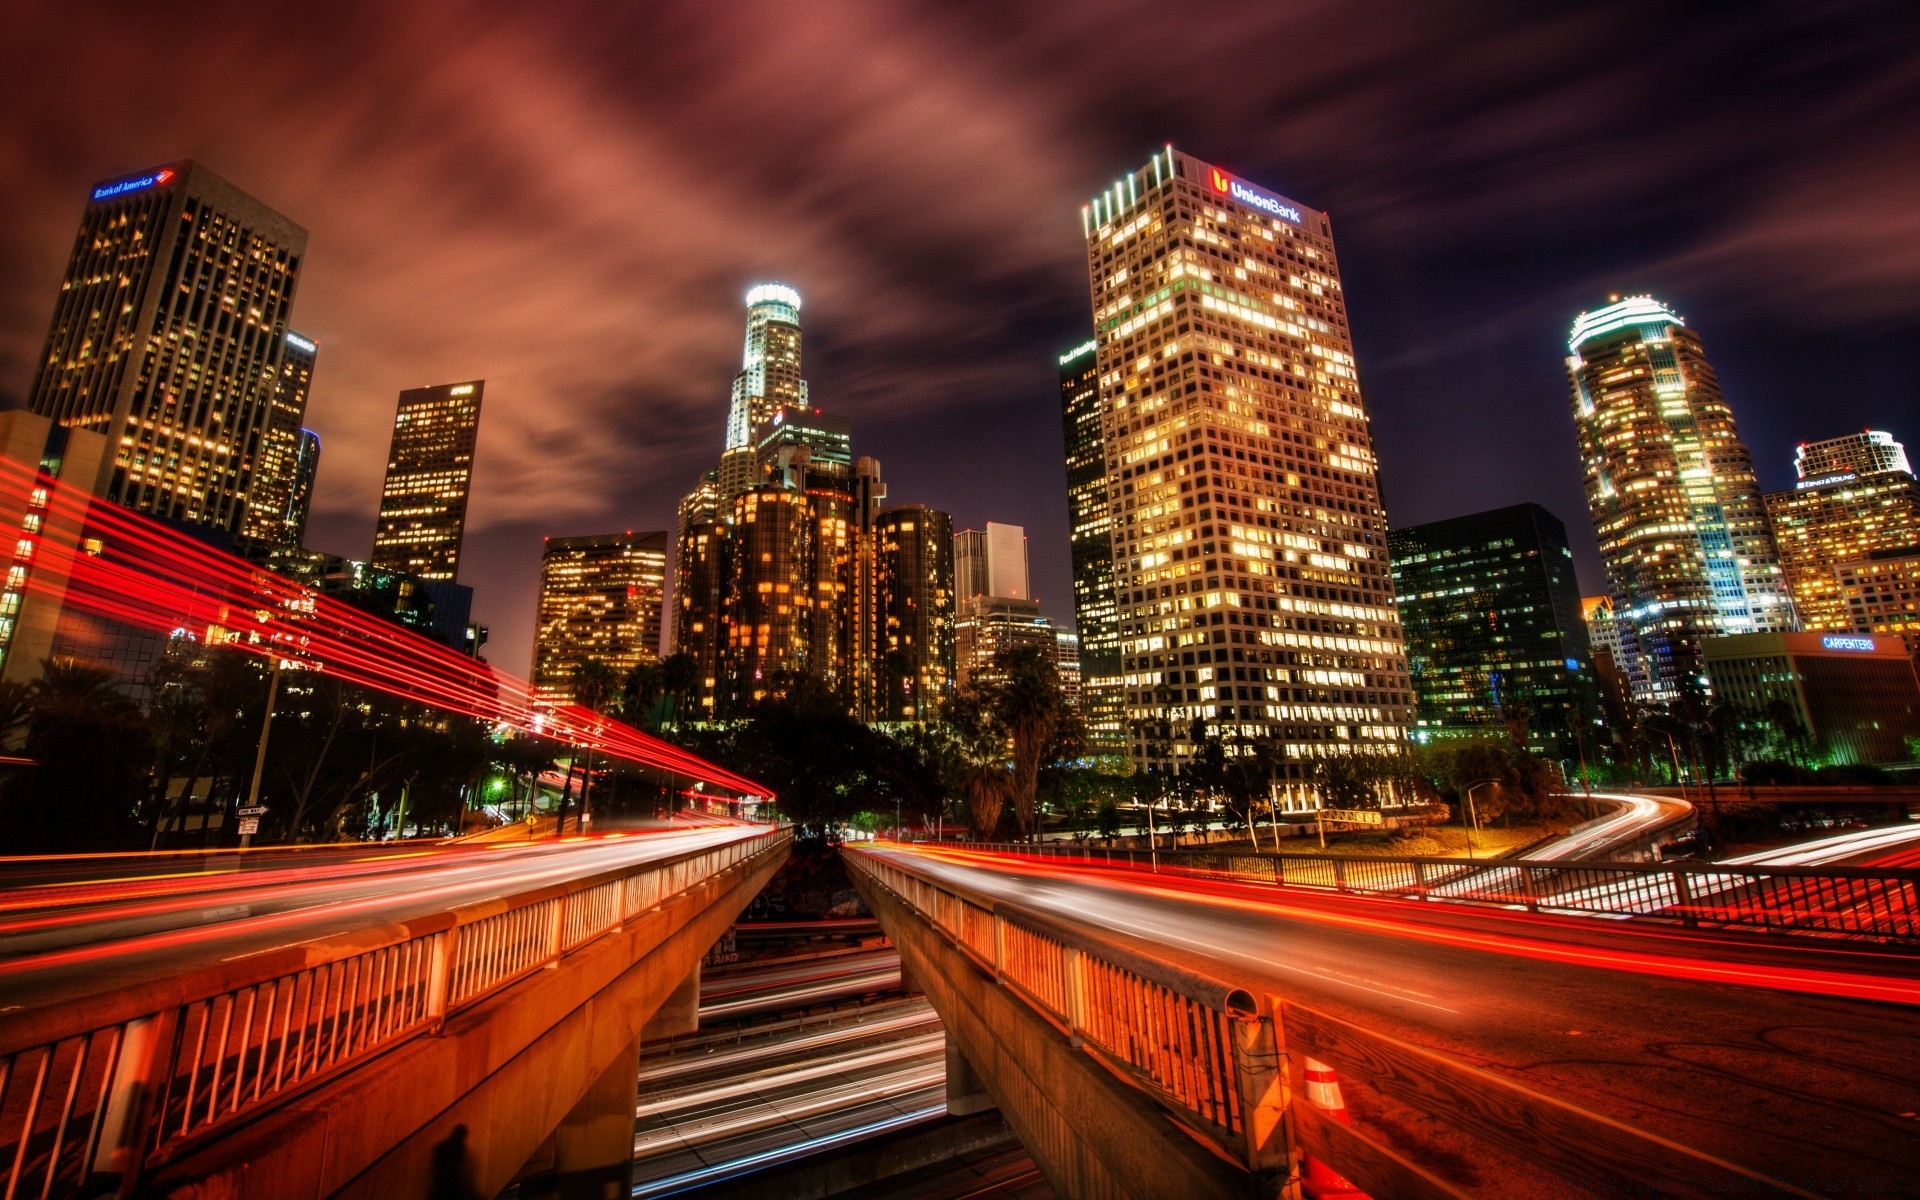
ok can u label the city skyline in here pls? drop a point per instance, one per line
(1455, 305)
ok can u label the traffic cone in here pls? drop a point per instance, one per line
(1317, 1180)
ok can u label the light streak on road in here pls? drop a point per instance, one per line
(784, 984)
(111, 946)
(1760, 1052)
(1633, 818)
(1880, 847)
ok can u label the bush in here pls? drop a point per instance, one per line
(1767, 772)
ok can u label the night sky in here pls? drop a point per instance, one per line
(570, 199)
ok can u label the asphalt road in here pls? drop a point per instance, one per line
(1768, 1055)
(63, 941)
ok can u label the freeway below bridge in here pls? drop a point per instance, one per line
(1797, 1061)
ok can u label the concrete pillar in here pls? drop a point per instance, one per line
(966, 1094)
(908, 984)
(679, 1013)
(593, 1147)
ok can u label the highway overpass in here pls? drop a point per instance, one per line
(323, 1024)
(1149, 1035)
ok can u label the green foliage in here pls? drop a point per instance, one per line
(93, 752)
(1508, 781)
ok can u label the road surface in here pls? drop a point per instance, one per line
(1801, 1062)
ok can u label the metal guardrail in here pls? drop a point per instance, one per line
(1218, 1058)
(91, 1096)
(1882, 903)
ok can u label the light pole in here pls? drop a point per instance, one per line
(260, 753)
(1473, 818)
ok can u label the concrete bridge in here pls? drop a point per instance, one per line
(469, 1012)
(1152, 1035)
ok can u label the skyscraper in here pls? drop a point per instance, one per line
(168, 338)
(270, 492)
(306, 473)
(423, 507)
(1249, 545)
(986, 629)
(913, 651)
(1494, 629)
(769, 380)
(991, 562)
(1090, 540)
(600, 599)
(1675, 503)
(1855, 497)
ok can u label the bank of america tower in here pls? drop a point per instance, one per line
(1249, 543)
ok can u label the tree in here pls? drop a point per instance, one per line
(1029, 705)
(93, 750)
(980, 772)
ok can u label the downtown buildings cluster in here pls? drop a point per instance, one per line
(1234, 573)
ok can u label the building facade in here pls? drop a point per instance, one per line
(306, 475)
(769, 380)
(1882, 594)
(1856, 694)
(1090, 541)
(1855, 497)
(991, 562)
(600, 600)
(1249, 545)
(168, 338)
(1672, 491)
(423, 505)
(912, 652)
(48, 475)
(987, 628)
(270, 494)
(1495, 636)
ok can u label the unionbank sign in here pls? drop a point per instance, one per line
(1253, 197)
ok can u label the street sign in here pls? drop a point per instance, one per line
(253, 810)
(249, 826)
(1351, 816)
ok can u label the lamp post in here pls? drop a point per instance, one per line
(1473, 817)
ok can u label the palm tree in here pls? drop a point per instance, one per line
(1029, 705)
(93, 749)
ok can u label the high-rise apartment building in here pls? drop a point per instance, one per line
(1090, 541)
(912, 652)
(423, 507)
(270, 492)
(769, 380)
(1495, 635)
(1855, 497)
(1249, 545)
(702, 573)
(600, 599)
(991, 562)
(1675, 503)
(168, 338)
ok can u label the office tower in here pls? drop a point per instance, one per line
(1864, 453)
(769, 380)
(47, 473)
(1090, 540)
(1882, 594)
(423, 507)
(1603, 639)
(1675, 504)
(270, 493)
(600, 599)
(703, 568)
(1066, 663)
(168, 337)
(1856, 696)
(913, 652)
(991, 562)
(1249, 545)
(306, 473)
(1855, 497)
(769, 637)
(1495, 636)
(987, 628)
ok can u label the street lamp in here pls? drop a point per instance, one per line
(1473, 817)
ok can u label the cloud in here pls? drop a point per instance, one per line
(569, 199)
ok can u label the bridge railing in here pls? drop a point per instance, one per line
(92, 1095)
(1218, 1058)
(1882, 903)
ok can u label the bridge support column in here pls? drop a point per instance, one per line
(593, 1147)
(679, 1013)
(966, 1092)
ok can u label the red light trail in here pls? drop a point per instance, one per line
(132, 569)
